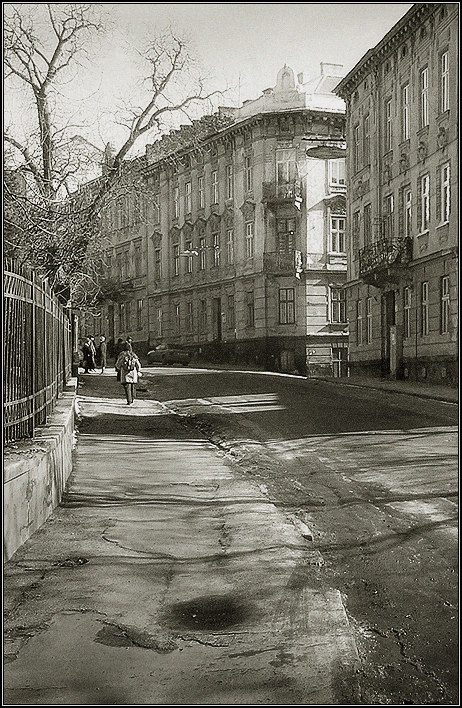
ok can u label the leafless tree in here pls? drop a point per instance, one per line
(48, 224)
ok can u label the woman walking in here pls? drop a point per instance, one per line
(129, 368)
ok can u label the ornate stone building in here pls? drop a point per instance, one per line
(402, 165)
(242, 241)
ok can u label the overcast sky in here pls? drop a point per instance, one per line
(253, 40)
(240, 45)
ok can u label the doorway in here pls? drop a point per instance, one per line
(216, 319)
(388, 321)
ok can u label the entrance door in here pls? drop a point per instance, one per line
(388, 321)
(216, 318)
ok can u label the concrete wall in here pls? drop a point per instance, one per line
(35, 474)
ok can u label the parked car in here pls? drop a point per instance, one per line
(166, 354)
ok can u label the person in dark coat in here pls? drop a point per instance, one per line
(93, 353)
(88, 351)
(102, 353)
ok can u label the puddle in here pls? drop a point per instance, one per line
(212, 612)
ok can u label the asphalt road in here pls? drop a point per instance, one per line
(242, 538)
(374, 477)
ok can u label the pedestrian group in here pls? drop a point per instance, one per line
(127, 363)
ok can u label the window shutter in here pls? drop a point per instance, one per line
(439, 214)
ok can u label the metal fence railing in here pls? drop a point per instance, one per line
(37, 351)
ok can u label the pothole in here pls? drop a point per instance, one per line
(211, 612)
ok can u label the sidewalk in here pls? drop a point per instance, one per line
(166, 578)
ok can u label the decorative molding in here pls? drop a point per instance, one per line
(442, 138)
(248, 210)
(403, 162)
(422, 151)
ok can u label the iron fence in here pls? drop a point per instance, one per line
(37, 352)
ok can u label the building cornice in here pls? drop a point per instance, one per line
(240, 127)
(406, 26)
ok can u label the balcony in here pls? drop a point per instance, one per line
(383, 261)
(274, 193)
(282, 263)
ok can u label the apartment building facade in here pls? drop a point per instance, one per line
(402, 165)
(241, 238)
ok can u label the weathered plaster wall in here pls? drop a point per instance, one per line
(35, 474)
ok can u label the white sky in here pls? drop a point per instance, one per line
(254, 40)
(240, 45)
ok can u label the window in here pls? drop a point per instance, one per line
(356, 149)
(200, 191)
(177, 319)
(189, 317)
(407, 200)
(156, 209)
(359, 322)
(248, 174)
(337, 234)
(444, 294)
(231, 319)
(367, 224)
(369, 320)
(159, 322)
(405, 113)
(286, 306)
(187, 198)
(286, 171)
(202, 254)
(138, 266)
(230, 246)
(122, 317)
(337, 305)
(176, 202)
(388, 125)
(139, 314)
(367, 140)
(424, 202)
(285, 235)
(336, 173)
(189, 259)
(444, 82)
(407, 298)
(424, 329)
(445, 193)
(250, 309)
(388, 216)
(203, 316)
(424, 97)
(249, 239)
(229, 182)
(355, 233)
(176, 260)
(216, 250)
(157, 265)
(214, 187)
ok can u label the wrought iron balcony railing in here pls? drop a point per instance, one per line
(275, 192)
(384, 256)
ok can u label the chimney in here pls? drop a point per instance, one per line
(332, 70)
(300, 77)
